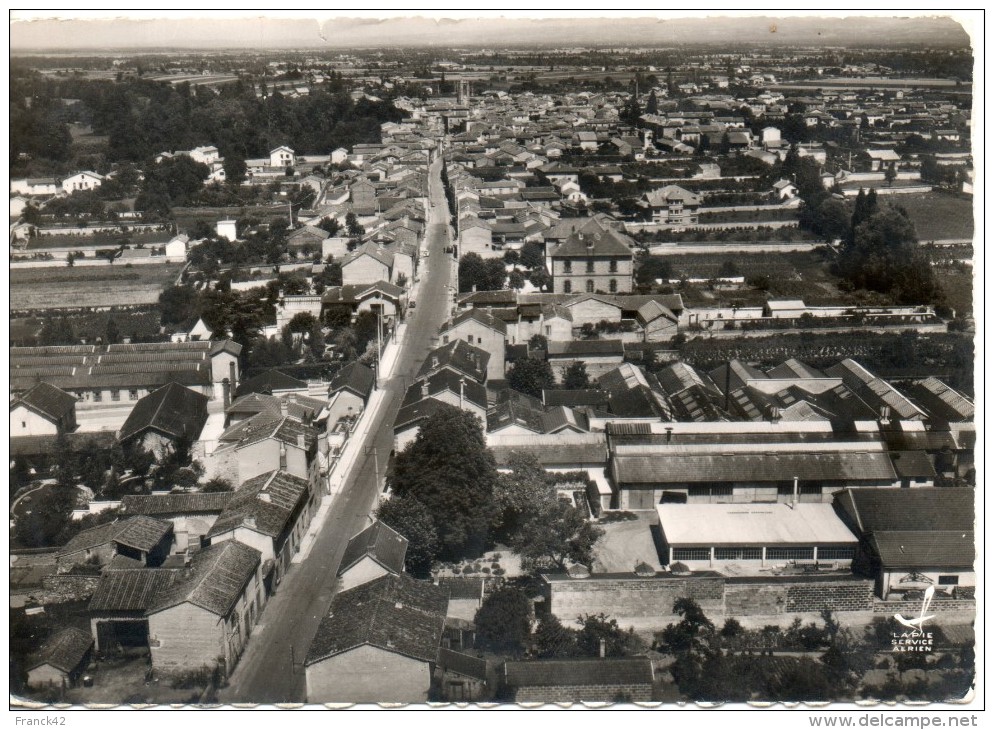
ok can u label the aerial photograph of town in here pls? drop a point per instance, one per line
(604, 361)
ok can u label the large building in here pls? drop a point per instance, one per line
(593, 259)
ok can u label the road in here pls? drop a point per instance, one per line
(265, 673)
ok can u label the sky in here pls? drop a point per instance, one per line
(103, 30)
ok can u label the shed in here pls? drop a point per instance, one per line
(61, 660)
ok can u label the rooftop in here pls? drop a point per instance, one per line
(706, 525)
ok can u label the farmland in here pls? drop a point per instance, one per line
(939, 216)
(109, 239)
(90, 286)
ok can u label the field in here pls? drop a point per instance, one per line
(939, 216)
(89, 286)
(109, 239)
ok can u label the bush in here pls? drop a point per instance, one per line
(618, 516)
(732, 628)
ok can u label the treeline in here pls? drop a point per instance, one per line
(142, 118)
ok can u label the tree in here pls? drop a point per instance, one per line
(575, 377)
(525, 490)
(178, 304)
(532, 255)
(412, 519)
(652, 104)
(555, 535)
(234, 169)
(47, 518)
(449, 469)
(503, 621)
(890, 174)
(595, 629)
(475, 273)
(531, 377)
(302, 322)
(552, 640)
(652, 268)
(217, 484)
(112, 333)
(685, 635)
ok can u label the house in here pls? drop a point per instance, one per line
(271, 382)
(204, 619)
(705, 536)
(306, 239)
(380, 297)
(61, 660)
(673, 205)
(191, 514)
(39, 186)
(270, 513)
(616, 679)
(368, 264)
(17, 206)
(378, 642)
(784, 190)
(376, 551)
(299, 407)
(118, 607)
(85, 180)
(911, 539)
(410, 418)
(164, 418)
(446, 386)
(459, 357)
(141, 538)
(592, 259)
(265, 443)
(599, 356)
(479, 328)
(657, 322)
(349, 390)
(42, 410)
(282, 157)
(176, 247)
(462, 677)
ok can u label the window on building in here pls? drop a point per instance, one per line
(691, 553)
(568, 286)
(835, 553)
(614, 266)
(24, 424)
(567, 267)
(613, 286)
(738, 553)
(590, 266)
(948, 580)
(590, 286)
(790, 553)
(133, 394)
(115, 395)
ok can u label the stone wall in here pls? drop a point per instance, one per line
(913, 608)
(624, 597)
(586, 693)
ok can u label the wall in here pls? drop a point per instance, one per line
(892, 580)
(586, 693)
(364, 270)
(364, 571)
(627, 597)
(485, 338)
(368, 674)
(592, 310)
(24, 422)
(46, 676)
(185, 637)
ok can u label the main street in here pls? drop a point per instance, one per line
(271, 669)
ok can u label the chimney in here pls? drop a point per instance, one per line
(265, 497)
(231, 374)
(462, 391)
(226, 389)
(250, 521)
(884, 414)
(284, 408)
(774, 414)
(434, 361)
(793, 496)
(669, 434)
(282, 455)
(603, 648)
(424, 388)
(301, 440)
(292, 398)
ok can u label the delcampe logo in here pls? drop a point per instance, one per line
(917, 639)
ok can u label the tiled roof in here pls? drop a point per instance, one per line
(579, 348)
(141, 533)
(772, 467)
(355, 377)
(46, 400)
(216, 578)
(942, 402)
(394, 612)
(578, 672)
(460, 588)
(264, 426)
(380, 542)
(417, 412)
(172, 410)
(924, 509)
(299, 407)
(458, 355)
(916, 550)
(477, 315)
(64, 650)
(175, 504)
(575, 398)
(915, 464)
(130, 590)
(266, 504)
(270, 381)
(605, 242)
(465, 664)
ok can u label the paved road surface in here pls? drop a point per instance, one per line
(290, 620)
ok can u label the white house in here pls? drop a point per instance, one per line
(176, 248)
(82, 181)
(226, 229)
(282, 157)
